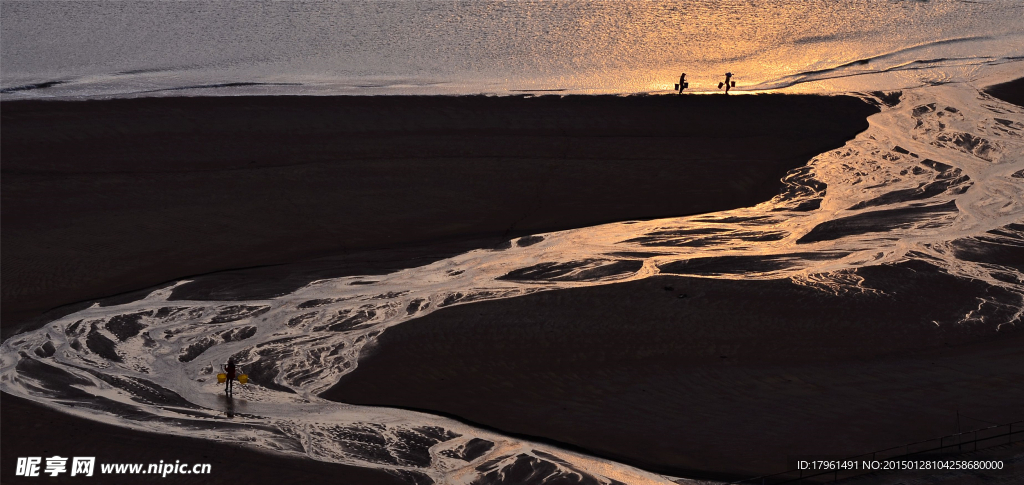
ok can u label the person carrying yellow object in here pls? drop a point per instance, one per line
(230, 371)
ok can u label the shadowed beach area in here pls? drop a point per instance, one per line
(260, 195)
(727, 382)
(1011, 92)
(264, 194)
(32, 430)
(107, 197)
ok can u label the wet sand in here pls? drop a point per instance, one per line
(107, 197)
(104, 198)
(32, 430)
(722, 383)
(1011, 92)
(729, 382)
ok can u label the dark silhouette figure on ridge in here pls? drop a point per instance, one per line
(728, 82)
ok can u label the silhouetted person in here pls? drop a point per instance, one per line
(728, 82)
(682, 83)
(230, 371)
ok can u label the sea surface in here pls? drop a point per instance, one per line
(87, 48)
(938, 177)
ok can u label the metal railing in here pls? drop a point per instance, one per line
(955, 443)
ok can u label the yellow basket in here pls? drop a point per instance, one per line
(243, 378)
(222, 378)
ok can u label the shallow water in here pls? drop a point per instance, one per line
(938, 178)
(75, 49)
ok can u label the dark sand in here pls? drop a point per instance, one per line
(101, 198)
(1011, 92)
(106, 197)
(1011, 456)
(32, 430)
(727, 382)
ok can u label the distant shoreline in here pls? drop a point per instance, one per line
(525, 94)
(251, 90)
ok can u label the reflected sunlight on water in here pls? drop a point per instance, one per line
(459, 47)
